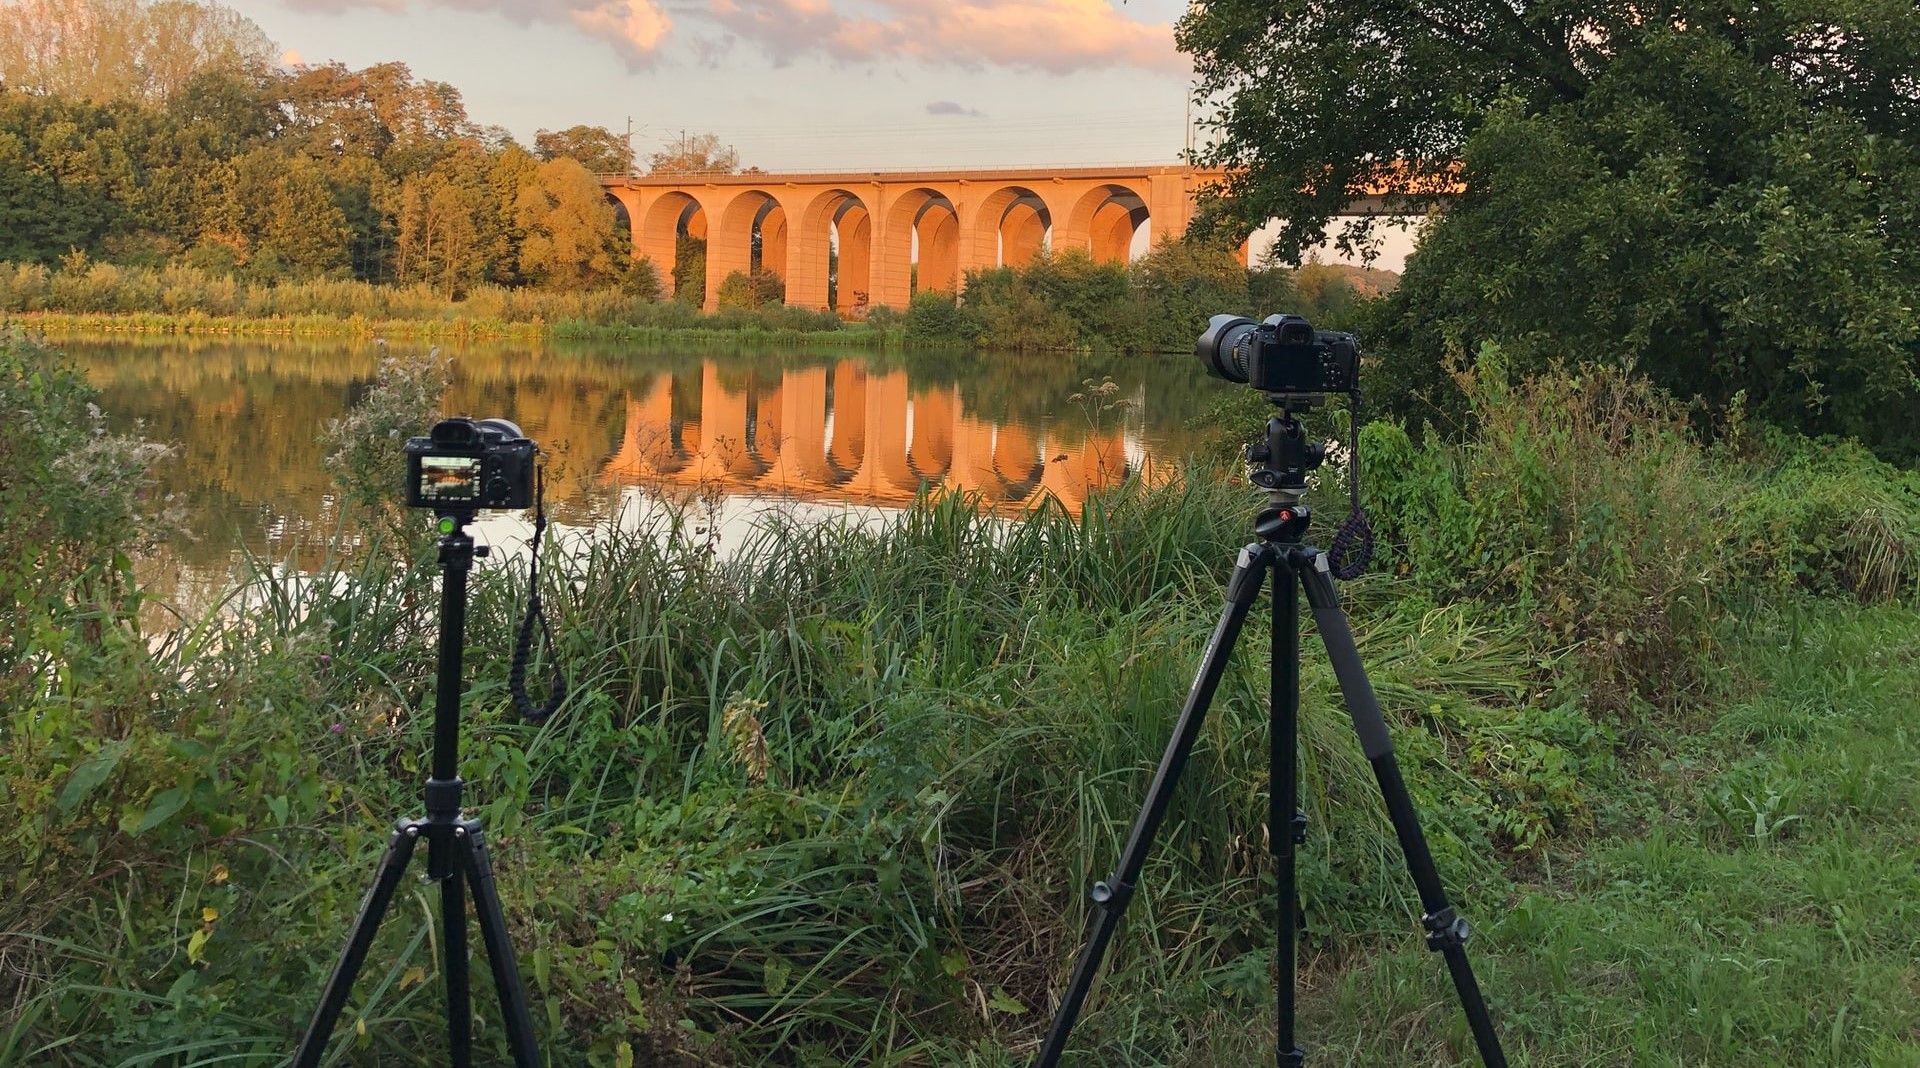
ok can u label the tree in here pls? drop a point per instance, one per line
(1727, 197)
(451, 233)
(566, 226)
(597, 148)
(694, 154)
(102, 50)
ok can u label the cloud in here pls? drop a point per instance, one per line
(635, 28)
(1058, 36)
(949, 107)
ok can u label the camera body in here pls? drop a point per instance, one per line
(464, 465)
(1283, 355)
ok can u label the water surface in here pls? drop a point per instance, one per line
(817, 433)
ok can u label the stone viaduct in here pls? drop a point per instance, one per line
(898, 231)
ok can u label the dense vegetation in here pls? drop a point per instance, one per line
(1157, 303)
(1720, 196)
(834, 799)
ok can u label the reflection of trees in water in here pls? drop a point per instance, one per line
(249, 413)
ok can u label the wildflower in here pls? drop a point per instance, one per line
(338, 728)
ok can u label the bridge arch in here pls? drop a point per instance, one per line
(920, 245)
(1104, 222)
(752, 235)
(831, 254)
(1011, 225)
(668, 219)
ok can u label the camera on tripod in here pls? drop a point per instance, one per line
(1284, 355)
(464, 465)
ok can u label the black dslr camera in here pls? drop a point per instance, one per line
(464, 465)
(1283, 355)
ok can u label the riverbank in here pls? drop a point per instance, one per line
(838, 796)
(741, 332)
(1064, 303)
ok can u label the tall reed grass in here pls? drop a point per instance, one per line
(835, 797)
(179, 299)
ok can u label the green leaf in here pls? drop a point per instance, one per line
(1001, 1001)
(88, 776)
(164, 805)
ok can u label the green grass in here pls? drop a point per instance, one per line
(1754, 900)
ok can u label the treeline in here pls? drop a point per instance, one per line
(229, 164)
(1157, 303)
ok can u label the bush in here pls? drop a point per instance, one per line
(1827, 516)
(759, 289)
(938, 319)
(1580, 501)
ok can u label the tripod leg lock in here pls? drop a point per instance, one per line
(1445, 930)
(1299, 823)
(1112, 893)
(1249, 572)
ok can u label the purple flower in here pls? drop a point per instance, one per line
(325, 659)
(338, 728)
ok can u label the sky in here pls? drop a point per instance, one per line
(793, 85)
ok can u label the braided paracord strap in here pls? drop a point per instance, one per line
(1352, 547)
(517, 673)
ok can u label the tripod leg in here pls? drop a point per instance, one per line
(1111, 896)
(453, 925)
(493, 932)
(1286, 824)
(1446, 931)
(386, 878)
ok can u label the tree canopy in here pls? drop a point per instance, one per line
(1723, 194)
(597, 148)
(101, 50)
(223, 162)
(695, 154)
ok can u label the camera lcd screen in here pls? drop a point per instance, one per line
(450, 478)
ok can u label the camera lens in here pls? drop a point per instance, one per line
(1225, 347)
(507, 428)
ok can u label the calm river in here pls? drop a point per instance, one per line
(816, 433)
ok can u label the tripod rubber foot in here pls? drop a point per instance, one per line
(1293, 1058)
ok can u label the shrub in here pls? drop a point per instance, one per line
(937, 318)
(1827, 516)
(1582, 501)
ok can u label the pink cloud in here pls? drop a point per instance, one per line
(635, 28)
(1051, 35)
(1058, 36)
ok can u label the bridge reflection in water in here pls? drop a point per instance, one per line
(848, 433)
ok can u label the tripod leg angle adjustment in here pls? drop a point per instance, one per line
(1445, 930)
(1111, 892)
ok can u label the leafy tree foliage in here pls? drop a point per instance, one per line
(695, 154)
(1725, 195)
(567, 227)
(226, 164)
(102, 50)
(597, 148)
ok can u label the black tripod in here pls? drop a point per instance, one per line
(1285, 457)
(456, 853)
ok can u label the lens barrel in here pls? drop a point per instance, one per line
(1225, 347)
